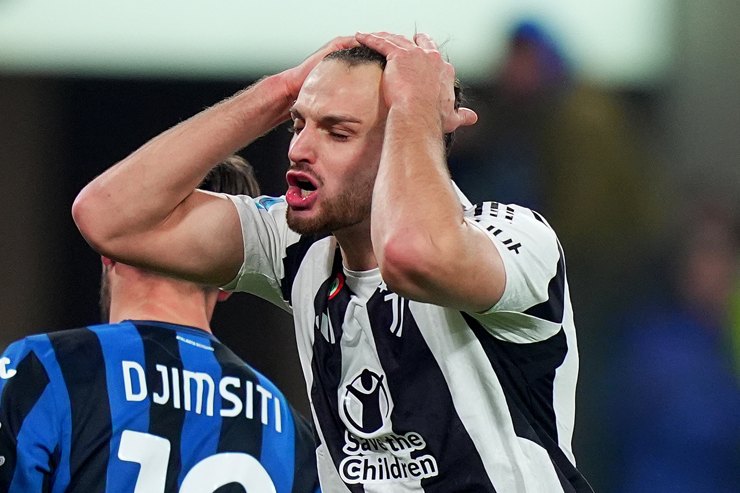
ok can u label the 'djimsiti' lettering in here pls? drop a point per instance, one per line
(195, 392)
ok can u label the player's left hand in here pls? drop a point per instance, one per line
(417, 77)
(294, 77)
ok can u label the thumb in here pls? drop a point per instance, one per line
(467, 117)
(462, 117)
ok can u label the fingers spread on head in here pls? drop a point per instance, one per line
(400, 40)
(384, 42)
(423, 40)
(371, 40)
(343, 42)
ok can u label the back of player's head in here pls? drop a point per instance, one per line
(234, 176)
(358, 55)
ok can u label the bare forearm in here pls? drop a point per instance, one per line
(425, 249)
(144, 189)
(413, 195)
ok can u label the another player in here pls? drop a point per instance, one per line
(151, 402)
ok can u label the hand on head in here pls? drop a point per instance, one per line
(417, 76)
(295, 76)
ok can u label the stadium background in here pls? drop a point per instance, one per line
(70, 109)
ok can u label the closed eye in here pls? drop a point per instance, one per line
(338, 136)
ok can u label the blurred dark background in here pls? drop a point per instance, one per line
(641, 181)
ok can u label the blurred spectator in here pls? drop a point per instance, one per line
(569, 149)
(502, 156)
(677, 400)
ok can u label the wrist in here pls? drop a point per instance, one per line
(416, 119)
(283, 86)
(266, 99)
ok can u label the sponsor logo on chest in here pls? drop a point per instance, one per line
(374, 452)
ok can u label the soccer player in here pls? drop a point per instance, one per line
(151, 402)
(436, 337)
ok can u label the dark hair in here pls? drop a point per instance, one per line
(357, 56)
(362, 54)
(234, 176)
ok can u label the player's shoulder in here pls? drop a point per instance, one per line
(235, 366)
(266, 202)
(499, 218)
(79, 334)
(34, 353)
(76, 341)
(263, 204)
(503, 211)
(231, 361)
(266, 382)
(37, 343)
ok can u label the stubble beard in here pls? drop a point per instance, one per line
(349, 208)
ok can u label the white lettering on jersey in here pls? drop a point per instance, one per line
(152, 452)
(165, 396)
(198, 392)
(385, 458)
(5, 372)
(127, 366)
(194, 343)
(203, 383)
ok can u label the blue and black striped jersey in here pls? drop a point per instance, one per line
(145, 407)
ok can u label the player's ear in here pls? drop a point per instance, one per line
(106, 261)
(223, 295)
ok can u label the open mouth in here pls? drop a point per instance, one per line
(302, 180)
(302, 189)
(306, 187)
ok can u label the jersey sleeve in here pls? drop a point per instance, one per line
(532, 305)
(29, 431)
(266, 238)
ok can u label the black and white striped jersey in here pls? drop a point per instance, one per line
(409, 396)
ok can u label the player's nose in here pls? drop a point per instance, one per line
(302, 147)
